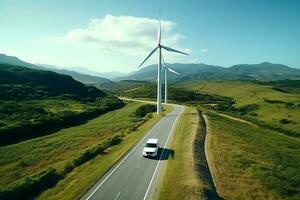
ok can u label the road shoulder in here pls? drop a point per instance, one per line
(180, 178)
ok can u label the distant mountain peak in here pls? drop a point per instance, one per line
(6, 58)
(267, 63)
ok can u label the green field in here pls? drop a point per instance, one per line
(250, 162)
(181, 177)
(273, 107)
(58, 149)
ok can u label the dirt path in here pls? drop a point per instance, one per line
(203, 153)
(234, 118)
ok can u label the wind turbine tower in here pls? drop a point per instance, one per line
(159, 47)
(166, 69)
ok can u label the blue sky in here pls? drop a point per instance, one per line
(116, 35)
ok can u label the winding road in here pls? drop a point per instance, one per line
(135, 177)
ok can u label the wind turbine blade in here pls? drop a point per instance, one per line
(148, 56)
(163, 63)
(159, 30)
(173, 50)
(171, 70)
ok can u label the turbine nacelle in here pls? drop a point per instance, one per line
(159, 46)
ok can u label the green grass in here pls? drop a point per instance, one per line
(246, 93)
(181, 179)
(58, 105)
(27, 157)
(58, 149)
(79, 180)
(250, 162)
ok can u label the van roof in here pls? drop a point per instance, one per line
(152, 141)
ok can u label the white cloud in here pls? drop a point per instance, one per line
(131, 35)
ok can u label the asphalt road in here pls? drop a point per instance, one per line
(135, 177)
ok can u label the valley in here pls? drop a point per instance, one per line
(56, 130)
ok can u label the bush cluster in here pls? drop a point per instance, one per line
(273, 101)
(285, 121)
(143, 110)
(229, 107)
(273, 127)
(96, 150)
(287, 104)
(30, 186)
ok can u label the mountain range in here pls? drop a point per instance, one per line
(260, 72)
(264, 71)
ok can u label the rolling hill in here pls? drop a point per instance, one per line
(41, 83)
(35, 102)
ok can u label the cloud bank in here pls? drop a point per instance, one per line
(128, 34)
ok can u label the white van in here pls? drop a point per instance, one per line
(151, 148)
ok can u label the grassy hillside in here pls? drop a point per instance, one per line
(256, 102)
(117, 87)
(175, 94)
(250, 162)
(286, 86)
(66, 150)
(41, 84)
(36, 102)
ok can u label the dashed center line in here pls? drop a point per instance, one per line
(138, 165)
(117, 195)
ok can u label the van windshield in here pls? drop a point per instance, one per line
(151, 145)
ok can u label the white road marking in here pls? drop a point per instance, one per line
(175, 122)
(117, 195)
(124, 159)
(138, 165)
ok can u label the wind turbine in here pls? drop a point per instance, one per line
(166, 69)
(159, 47)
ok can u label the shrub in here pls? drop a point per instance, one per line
(273, 101)
(247, 109)
(30, 186)
(285, 121)
(143, 110)
(228, 107)
(289, 104)
(94, 151)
